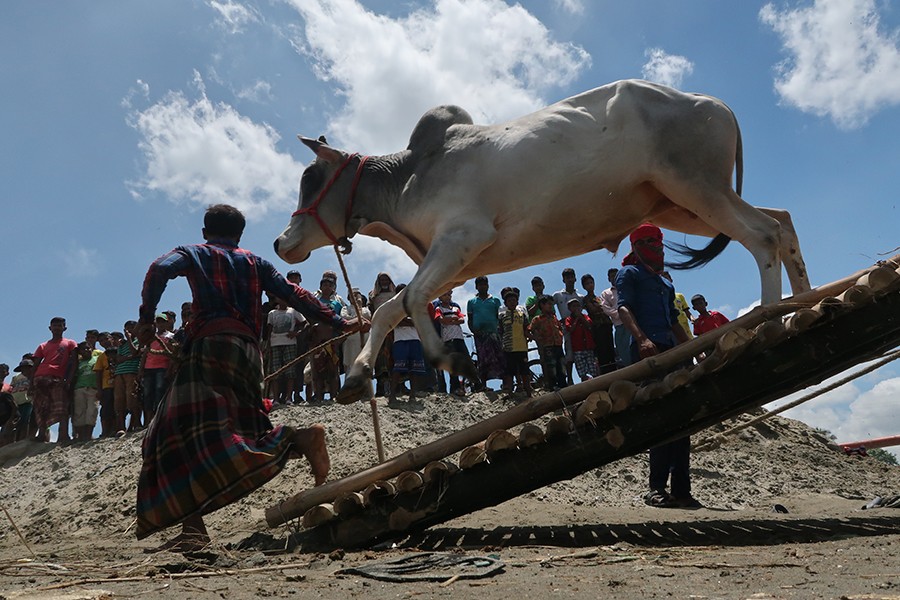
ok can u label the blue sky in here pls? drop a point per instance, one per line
(123, 120)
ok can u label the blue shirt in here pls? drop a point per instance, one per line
(651, 299)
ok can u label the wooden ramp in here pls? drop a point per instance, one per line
(763, 356)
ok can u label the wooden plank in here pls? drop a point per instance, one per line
(833, 345)
(417, 458)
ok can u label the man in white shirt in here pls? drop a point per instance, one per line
(283, 325)
(609, 301)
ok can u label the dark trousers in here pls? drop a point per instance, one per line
(672, 459)
(456, 382)
(604, 347)
(552, 366)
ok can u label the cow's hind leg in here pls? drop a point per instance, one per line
(358, 382)
(790, 250)
(452, 249)
(725, 212)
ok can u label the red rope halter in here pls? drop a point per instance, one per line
(313, 209)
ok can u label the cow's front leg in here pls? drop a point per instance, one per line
(450, 252)
(358, 382)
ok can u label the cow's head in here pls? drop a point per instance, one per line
(326, 190)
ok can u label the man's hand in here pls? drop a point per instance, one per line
(357, 324)
(647, 348)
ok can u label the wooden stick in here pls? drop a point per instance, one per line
(535, 407)
(376, 422)
(191, 575)
(19, 533)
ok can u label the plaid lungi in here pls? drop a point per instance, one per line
(211, 442)
(586, 364)
(51, 402)
(491, 360)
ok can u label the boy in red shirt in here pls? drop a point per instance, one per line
(708, 319)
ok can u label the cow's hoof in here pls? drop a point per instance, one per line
(355, 388)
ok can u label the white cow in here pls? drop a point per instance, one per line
(465, 200)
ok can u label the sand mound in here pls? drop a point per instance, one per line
(88, 491)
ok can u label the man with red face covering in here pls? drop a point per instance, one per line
(647, 308)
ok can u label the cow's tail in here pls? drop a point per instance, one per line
(698, 257)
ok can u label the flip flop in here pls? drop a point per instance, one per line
(659, 499)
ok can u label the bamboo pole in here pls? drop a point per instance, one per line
(656, 366)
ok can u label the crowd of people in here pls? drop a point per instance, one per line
(108, 378)
(199, 387)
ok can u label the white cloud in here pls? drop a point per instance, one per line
(374, 255)
(260, 91)
(575, 7)
(667, 69)
(858, 410)
(202, 153)
(492, 59)
(81, 262)
(840, 64)
(233, 16)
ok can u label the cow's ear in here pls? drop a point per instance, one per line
(322, 150)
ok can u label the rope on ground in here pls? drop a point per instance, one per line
(719, 438)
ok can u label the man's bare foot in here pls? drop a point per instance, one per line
(183, 542)
(193, 538)
(310, 442)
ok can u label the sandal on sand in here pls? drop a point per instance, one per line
(659, 499)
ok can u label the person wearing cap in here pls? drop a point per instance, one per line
(85, 394)
(707, 320)
(294, 277)
(646, 304)
(212, 442)
(157, 366)
(19, 388)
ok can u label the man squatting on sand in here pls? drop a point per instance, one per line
(211, 442)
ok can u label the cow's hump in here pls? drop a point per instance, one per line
(431, 129)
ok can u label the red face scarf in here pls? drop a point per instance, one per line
(646, 248)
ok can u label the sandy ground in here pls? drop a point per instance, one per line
(592, 535)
